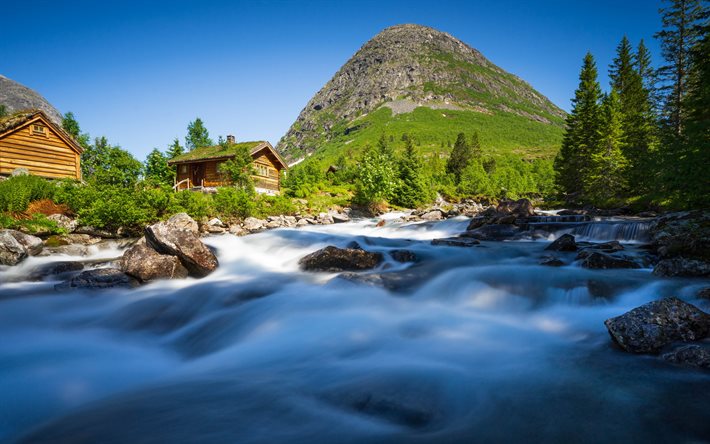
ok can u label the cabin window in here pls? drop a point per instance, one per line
(183, 168)
(262, 170)
(39, 130)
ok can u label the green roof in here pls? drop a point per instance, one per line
(215, 152)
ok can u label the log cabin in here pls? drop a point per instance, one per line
(200, 168)
(29, 140)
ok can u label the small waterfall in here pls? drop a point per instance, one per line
(620, 230)
(563, 219)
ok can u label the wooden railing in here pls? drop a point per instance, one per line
(178, 185)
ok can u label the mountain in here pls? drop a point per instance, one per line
(17, 97)
(426, 83)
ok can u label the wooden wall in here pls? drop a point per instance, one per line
(43, 155)
(212, 177)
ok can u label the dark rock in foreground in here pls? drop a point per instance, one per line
(603, 261)
(456, 242)
(189, 249)
(681, 266)
(551, 261)
(404, 256)
(54, 269)
(704, 293)
(565, 242)
(145, 264)
(689, 355)
(335, 259)
(652, 326)
(100, 278)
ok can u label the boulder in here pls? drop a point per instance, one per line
(252, 224)
(193, 254)
(518, 208)
(183, 221)
(609, 247)
(325, 219)
(681, 266)
(404, 256)
(432, 215)
(704, 293)
(597, 260)
(53, 269)
(340, 259)
(652, 326)
(216, 222)
(565, 242)
(12, 252)
(302, 223)
(690, 355)
(493, 232)
(237, 230)
(146, 264)
(456, 242)
(32, 244)
(274, 224)
(64, 222)
(340, 218)
(99, 278)
(551, 261)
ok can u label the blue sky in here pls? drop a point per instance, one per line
(139, 71)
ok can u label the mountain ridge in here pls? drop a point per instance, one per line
(18, 97)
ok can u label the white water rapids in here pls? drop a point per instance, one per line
(476, 344)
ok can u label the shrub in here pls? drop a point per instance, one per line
(197, 205)
(233, 202)
(17, 192)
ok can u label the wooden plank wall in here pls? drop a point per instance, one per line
(43, 155)
(213, 178)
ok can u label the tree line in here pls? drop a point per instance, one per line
(646, 140)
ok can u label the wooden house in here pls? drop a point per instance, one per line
(31, 141)
(200, 168)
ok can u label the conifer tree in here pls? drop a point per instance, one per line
(644, 66)
(462, 154)
(156, 168)
(413, 189)
(582, 131)
(197, 135)
(606, 179)
(174, 149)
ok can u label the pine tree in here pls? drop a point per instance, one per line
(644, 66)
(413, 189)
(197, 135)
(71, 126)
(156, 168)
(461, 155)
(582, 131)
(607, 170)
(678, 37)
(174, 149)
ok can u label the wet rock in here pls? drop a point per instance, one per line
(340, 218)
(404, 256)
(145, 264)
(551, 261)
(340, 259)
(12, 252)
(64, 222)
(611, 246)
(32, 244)
(183, 221)
(681, 266)
(193, 254)
(518, 208)
(354, 245)
(95, 232)
(274, 224)
(432, 215)
(252, 224)
(603, 261)
(69, 250)
(54, 269)
(216, 222)
(97, 279)
(704, 293)
(691, 355)
(652, 326)
(237, 230)
(302, 223)
(456, 242)
(493, 232)
(565, 242)
(325, 219)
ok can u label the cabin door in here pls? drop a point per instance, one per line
(198, 174)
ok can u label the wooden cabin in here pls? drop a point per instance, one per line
(31, 141)
(200, 169)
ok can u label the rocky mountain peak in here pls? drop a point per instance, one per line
(17, 97)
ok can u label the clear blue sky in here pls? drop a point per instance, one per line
(139, 71)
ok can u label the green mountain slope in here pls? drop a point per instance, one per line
(416, 80)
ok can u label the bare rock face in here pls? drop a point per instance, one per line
(17, 97)
(11, 251)
(652, 326)
(335, 259)
(565, 242)
(189, 249)
(146, 264)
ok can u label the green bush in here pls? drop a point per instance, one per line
(17, 192)
(233, 202)
(197, 205)
(275, 205)
(38, 223)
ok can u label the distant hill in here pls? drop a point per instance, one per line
(17, 97)
(417, 80)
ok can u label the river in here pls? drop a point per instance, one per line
(477, 344)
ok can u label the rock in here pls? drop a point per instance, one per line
(99, 278)
(193, 254)
(32, 244)
(340, 259)
(54, 269)
(69, 250)
(432, 215)
(565, 242)
(611, 246)
(96, 232)
(237, 230)
(704, 293)
(183, 221)
(551, 261)
(652, 326)
(214, 229)
(273, 224)
(476, 222)
(493, 232)
(690, 355)
(456, 242)
(215, 222)
(404, 256)
(56, 241)
(64, 222)
(340, 218)
(146, 264)
(12, 252)
(252, 224)
(597, 260)
(381, 223)
(680, 266)
(325, 219)
(354, 245)
(518, 208)
(302, 223)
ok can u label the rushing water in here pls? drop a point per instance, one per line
(476, 344)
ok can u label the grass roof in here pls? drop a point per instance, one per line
(215, 152)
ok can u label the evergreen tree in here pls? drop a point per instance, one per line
(103, 164)
(644, 67)
(174, 149)
(606, 179)
(413, 189)
(197, 135)
(462, 154)
(582, 133)
(156, 168)
(71, 126)
(679, 35)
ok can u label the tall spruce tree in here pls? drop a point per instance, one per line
(582, 135)
(197, 135)
(156, 168)
(462, 154)
(413, 189)
(606, 180)
(644, 66)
